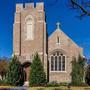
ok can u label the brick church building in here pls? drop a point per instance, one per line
(30, 36)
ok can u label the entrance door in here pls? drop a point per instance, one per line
(26, 67)
(27, 71)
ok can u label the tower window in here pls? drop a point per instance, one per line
(29, 28)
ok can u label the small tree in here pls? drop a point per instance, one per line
(37, 74)
(3, 68)
(78, 70)
(15, 75)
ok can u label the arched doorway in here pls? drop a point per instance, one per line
(26, 67)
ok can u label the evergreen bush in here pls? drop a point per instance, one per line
(15, 74)
(78, 71)
(37, 74)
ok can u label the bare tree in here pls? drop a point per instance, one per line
(83, 6)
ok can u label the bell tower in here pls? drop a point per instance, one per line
(29, 35)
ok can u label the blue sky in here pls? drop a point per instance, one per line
(56, 11)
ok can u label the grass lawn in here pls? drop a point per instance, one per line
(50, 88)
(7, 87)
(59, 88)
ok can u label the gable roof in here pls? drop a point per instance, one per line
(58, 29)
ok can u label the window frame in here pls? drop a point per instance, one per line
(26, 20)
(58, 64)
(58, 40)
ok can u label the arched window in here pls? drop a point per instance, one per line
(58, 62)
(29, 29)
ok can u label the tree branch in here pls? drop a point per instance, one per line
(84, 10)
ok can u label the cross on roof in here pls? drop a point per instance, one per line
(58, 25)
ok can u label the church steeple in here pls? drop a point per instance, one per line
(58, 25)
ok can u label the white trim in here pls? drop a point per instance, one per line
(16, 53)
(58, 43)
(40, 10)
(58, 71)
(58, 64)
(40, 21)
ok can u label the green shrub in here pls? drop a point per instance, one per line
(52, 84)
(81, 84)
(37, 74)
(78, 71)
(3, 82)
(15, 74)
(63, 84)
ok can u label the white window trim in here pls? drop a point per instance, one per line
(61, 66)
(59, 41)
